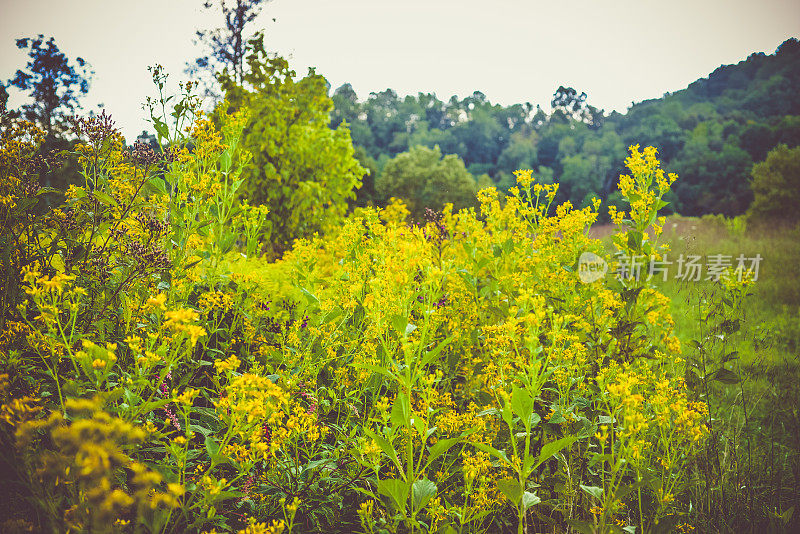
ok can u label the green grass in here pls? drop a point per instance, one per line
(756, 421)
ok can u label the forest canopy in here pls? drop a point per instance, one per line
(712, 133)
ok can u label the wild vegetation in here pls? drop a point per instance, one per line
(214, 330)
(711, 134)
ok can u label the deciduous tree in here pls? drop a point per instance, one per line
(303, 170)
(424, 179)
(53, 84)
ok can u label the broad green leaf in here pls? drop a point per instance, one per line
(212, 447)
(522, 404)
(203, 430)
(511, 489)
(500, 455)
(600, 458)
(376, 369)
(156, 185)
(400, 322)
(422, 491)
(310, 297)
(507, 415)
(419, 425)
(161, 128)
(552, 448)
(730, 356)
(386, 447)
(433, 354)
(581, 526)
(594, 491)
(530, 499)
(396, 490)
(401, 411)
(439, 448)
(105, 198)
(726, 376)
(225, 161)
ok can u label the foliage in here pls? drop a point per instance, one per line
(776, 186)
(301, 169)
(52, 82)
(227, 46)
(425, 180)
(712, 133)
(455, 375)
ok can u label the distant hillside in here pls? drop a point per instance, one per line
(710, 133)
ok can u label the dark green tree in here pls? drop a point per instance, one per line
(53, 84)
(776, 186)
(425, 179)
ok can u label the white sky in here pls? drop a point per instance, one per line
(514, 51)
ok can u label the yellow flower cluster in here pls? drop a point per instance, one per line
(89, 454)
(179, 320)
(226, 366)
(215, 300)
(276, 527)
(252, 399)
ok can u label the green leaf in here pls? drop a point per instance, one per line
(634, 239)
(522, 404)
(439, 448)
(726, 376)
(225, 161)
(511, 489)
(552, 448)
(530, 499)
(153, 405)
(431, 355)
(57, 262)
(399, 322)
(730, 326)
(203, 430)
(396, 490)
(600, 458)
(156, 185)
(310, 297)
(401, 411)
(581, 526)
(161, 128)
(506, 414)
(386, 447)
(376, 369)
(730, 356)
(419, 425)
(500, 455)
(45, 190)
(594, 491)
(212, 447)
(422, 491)
(105, 198)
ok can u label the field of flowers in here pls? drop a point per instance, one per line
(453, 376)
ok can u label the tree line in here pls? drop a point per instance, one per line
(712, 134)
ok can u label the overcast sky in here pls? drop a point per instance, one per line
(618, 52)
